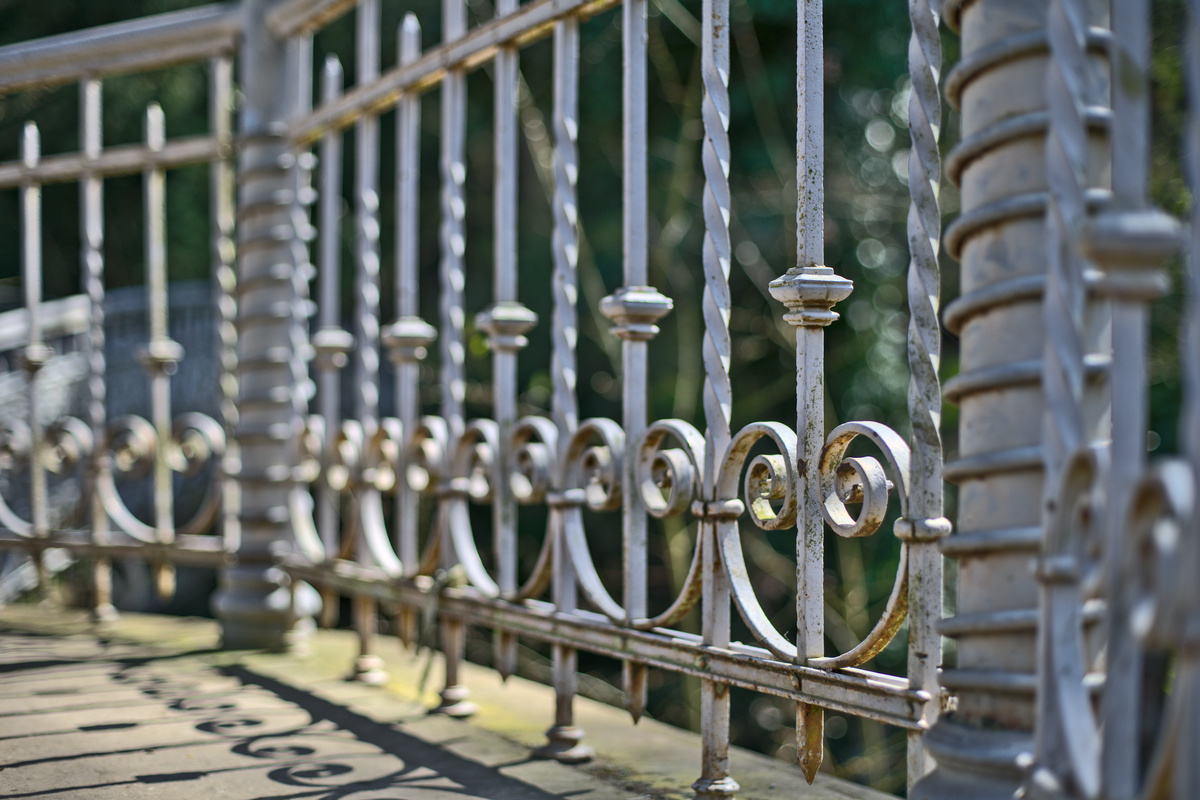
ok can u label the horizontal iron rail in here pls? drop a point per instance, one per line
(531, 23)
(883, 698)
(121, 160)
(296, 17)
(196, 551)
(143, 44)
(67, 316)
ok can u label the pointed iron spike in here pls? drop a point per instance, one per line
(634, 680)
(406, 626)
(164, 580)
(506, 655)
(810, 725)
(329, 607)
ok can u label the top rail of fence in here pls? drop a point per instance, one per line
(153, 42)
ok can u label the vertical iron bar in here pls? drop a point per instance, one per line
(36, 353)
(1128, 242)
(162, 354)
(505, 323)
(409, 341)
(329, 301)
(1120, 706)
(810, 289)
(635, 307)
(715, 781)
(926, 488)
(91, 199)
(408, 338)
(331, 342)
(452, 278)
(368, 666)
(224, 255)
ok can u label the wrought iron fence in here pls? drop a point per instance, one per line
(1056, 235)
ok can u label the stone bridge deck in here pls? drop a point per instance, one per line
(146, 708)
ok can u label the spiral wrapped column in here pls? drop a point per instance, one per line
(255, 605)
(1000, 238)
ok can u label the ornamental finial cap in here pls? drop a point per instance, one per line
(810, 293)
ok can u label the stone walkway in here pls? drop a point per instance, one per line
(100, 716)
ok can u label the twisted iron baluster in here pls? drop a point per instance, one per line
(563, 739)
(224, 257)
(368, 667)
(1066, 165)
(715, 781)
(1067, 742)
(924, 357)
(505, 322)
(91, 198)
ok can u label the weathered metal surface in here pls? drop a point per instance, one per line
(1058, 274)
(297, 17)
(135, 46)
(530, 23)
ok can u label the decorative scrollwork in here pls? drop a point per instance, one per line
(343, 456)
(131, 442)
(382, 455)
(69, 443)
(16, 442)
(426, 454)
(533, 455)
(199, 439)
(590, 475)
(595, 468)
(864, 480)
(16, 445)
(473, 459)
(770, 479)
(670, 480)
(861, 479)
(199, 443)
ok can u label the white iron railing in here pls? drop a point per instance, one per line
(303, 491)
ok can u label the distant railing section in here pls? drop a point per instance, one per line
(166, 448)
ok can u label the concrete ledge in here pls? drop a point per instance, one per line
(486, 756)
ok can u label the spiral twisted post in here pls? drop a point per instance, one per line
(564, 737)
(1066, 294)
(255, 607)
(715, 781)
(368, 667)
(926, 524)
(91, 204)
(223, 213)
